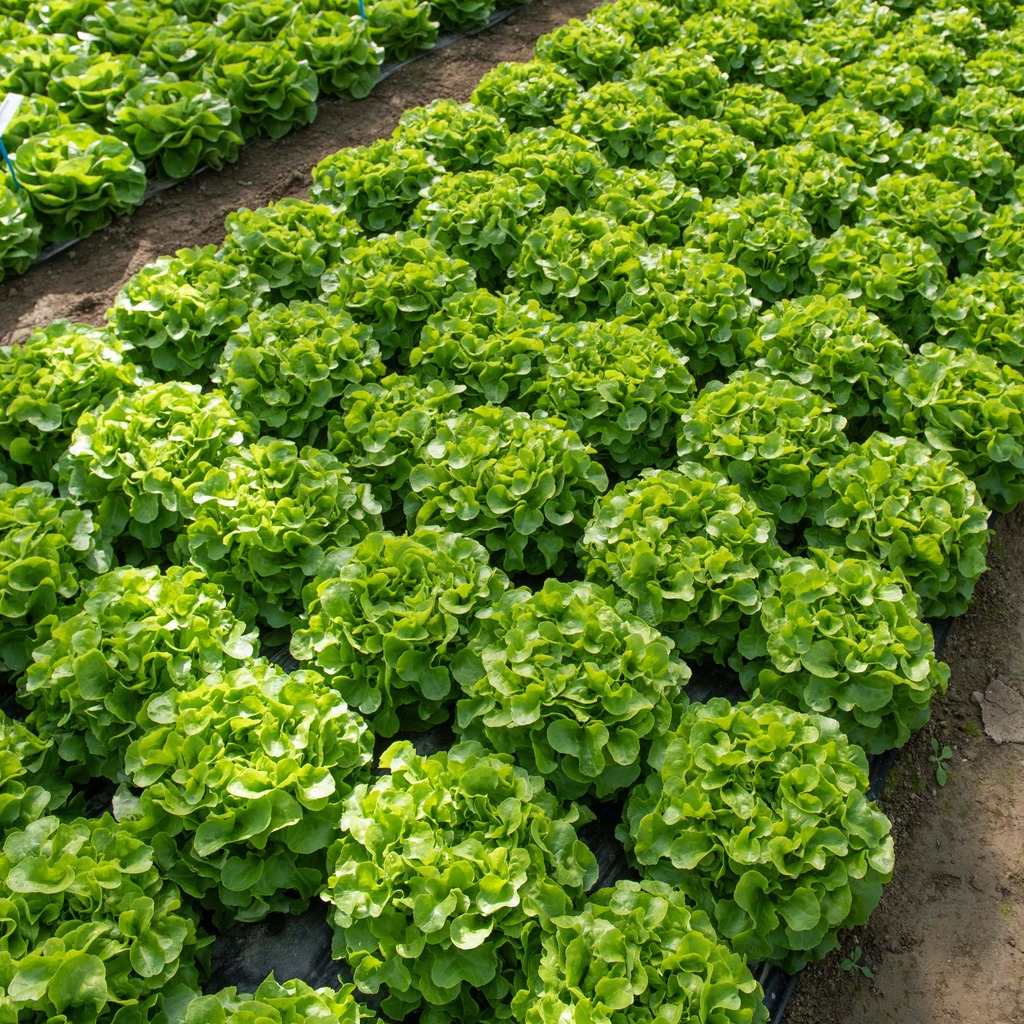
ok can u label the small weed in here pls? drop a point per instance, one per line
(940, 758)
(973, 730)
(852, 964)
(916, 784)
(1006, 910)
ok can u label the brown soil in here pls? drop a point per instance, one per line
(946, 944)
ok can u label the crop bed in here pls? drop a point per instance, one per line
(683, 360)
(121, 100)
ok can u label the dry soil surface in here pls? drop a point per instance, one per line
(946, 944)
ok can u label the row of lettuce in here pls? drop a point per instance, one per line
(640, 369)
(119, 95)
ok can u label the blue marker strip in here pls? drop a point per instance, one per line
(362, 10)
(10, 165)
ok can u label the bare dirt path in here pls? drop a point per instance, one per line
(947, 942)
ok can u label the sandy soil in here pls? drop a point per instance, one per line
(947, 942)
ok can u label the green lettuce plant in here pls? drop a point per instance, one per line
(444, 876)
(768, 435)
(696, 301)
(381, 428)
(990, 108)
(896, 89)
(492, 343)
(78, 180)
(765, 235)
(95, 932)
(135, 458)
(690, 82)
(577, 264)
(823, 185)
(121, 27)
(290, 1002)
(946, 215)
(522, 484)
(21, 233)
(775, 19)
(29, 61)
(35, 114)
(889, 272)
(849, 32)
(761, 115)
(180, 47)
(908, 506)
(650, 200)
(376, 185)
(619, 387)
(982, 312)
(30, 780)
(1000, 65)
(404, 28)
(705, 154)
(289, 244)
(238, 781)
(835, 347)
(571, 684)
(560, 162)
(175, 126)
(841, 637)
(969, 405)
(130, 633)
(263, 521)
(689, 550)
(802, 71)
(591, 51)
(386, 617)
(757, 816)
(272, 90)
(178, 311)
(963, 26)
(54, 16)
(965, 156)
(88, 88)
(729, 38)
(48, 548)
(461, 136)
(46, 382)
(463, 15)
(394, 282)
(649, 23)
(865, 137)
(639, 951)
(340, 49)
(938, 57)
(480, 217)
(996, 15)
(1004, 236)
(526, 94)
(287, 365)
(198, 10)
(246, 22)
(624, 118)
